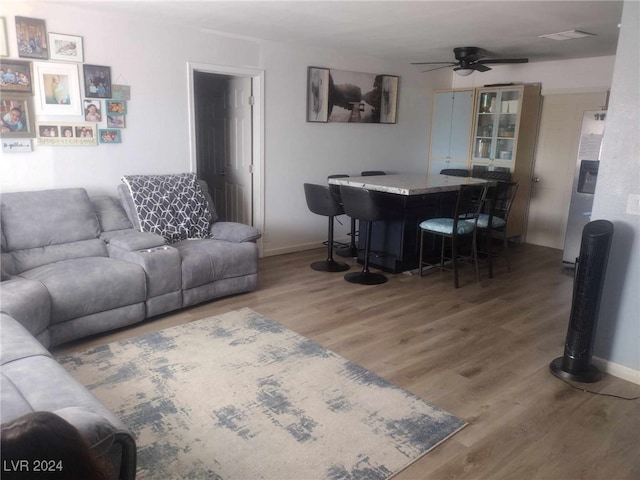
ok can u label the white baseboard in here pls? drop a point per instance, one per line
(617, 370)
(269, 252)
(291, 249)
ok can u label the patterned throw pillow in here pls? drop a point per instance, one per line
(173, 206)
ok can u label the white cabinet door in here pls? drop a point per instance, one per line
(451, 125)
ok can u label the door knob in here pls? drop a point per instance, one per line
(535, 179)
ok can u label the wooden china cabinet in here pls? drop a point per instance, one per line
(501, 129)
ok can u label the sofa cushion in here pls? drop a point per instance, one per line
(34, 257)
(47, 217)
(85, 286)
(110, 213)
(205, 261)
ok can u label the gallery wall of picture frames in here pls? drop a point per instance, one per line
(351, 97)
(57, 82)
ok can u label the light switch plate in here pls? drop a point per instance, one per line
(633, 204)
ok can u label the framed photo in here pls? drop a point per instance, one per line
(97, 81)
(109, 136)
(17, 145)
(67, 48)
(120, 92)
(92, 110)
(4, 42)
(16, 116)
(116, 107)
(66, 134)
(58, 89)
(116, 121)
(389, 100)
(31, 36)
(16, 76)
(317, 94)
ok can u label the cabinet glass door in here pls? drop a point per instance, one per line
(496, 125)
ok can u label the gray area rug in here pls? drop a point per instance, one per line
(238, 396)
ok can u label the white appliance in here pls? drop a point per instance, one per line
(584, 183)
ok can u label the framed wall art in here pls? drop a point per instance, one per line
(116, 107)
(16, 116)
(351, 97)
(389, 100)
(31, 36)
(317, 94)
(66, 134)
(67, 48)
(57, 89)
(108, 135)
(116, 121)
(97, 81)
(4, 42)
(120, 92)
(92, 110)
(16, 76)
(17, 145)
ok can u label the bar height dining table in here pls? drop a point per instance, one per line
(413, 198)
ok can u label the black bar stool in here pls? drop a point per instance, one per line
(321, 202)
(359, 203)
(350, 250)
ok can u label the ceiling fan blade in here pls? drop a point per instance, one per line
(440, 68)
(478, 67)
(504, 60)
(434, 63)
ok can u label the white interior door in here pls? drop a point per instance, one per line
(239, 158)
(555, 164)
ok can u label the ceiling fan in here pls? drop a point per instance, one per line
(470, 59)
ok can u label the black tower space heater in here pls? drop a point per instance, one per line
(591, 266)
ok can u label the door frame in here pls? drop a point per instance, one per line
(257, 129)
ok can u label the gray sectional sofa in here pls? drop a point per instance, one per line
(74, 266)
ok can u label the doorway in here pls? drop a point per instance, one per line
(555, 162)
(226, 139)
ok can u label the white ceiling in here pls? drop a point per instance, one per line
(405, 31)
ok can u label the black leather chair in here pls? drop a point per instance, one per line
(361, 204)
(455, 172)
(350, 250)
(321, 201)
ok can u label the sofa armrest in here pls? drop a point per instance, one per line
(234, 232)
(132, 240)
(161, 264)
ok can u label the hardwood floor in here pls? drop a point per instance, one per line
(481, 352)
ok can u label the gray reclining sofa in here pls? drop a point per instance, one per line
(74, 266)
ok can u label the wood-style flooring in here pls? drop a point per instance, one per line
(481, 352)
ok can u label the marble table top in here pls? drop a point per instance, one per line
(409, 184)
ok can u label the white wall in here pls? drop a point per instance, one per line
(618, 334)
(560, 76)
(152, 58)
(153, 63)
(299, 152)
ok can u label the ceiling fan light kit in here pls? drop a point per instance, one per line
(463, 72)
